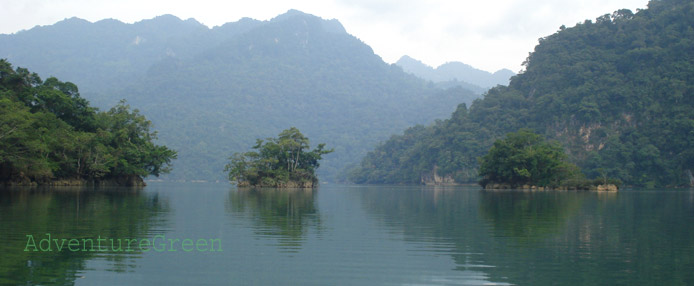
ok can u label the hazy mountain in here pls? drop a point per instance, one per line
(103, 56)
(456, 73)
(211, 92)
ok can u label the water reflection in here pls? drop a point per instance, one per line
(283, 214)
(70, 212)
(629, 238)
(539, 238)
(445, 219)
(358, 235)
(529, 216)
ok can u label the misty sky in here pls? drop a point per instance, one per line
(487, 34)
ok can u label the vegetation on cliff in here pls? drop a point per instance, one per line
(277, 162)
(48, 133)
(616, 93)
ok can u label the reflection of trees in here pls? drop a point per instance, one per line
(457, 217)
(627, 239)
(421, 211)
(529, 216)
(285, 214)
(446, 218)
(549, 238)
(70, 212)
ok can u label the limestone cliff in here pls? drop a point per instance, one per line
(432, 178)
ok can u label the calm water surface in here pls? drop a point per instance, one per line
(351, 235)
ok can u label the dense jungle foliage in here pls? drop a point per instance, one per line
(617, 93)
(49, 132)
(525, 158)
(277, 162)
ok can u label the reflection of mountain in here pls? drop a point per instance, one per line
(285, 214)
(444, 217)
(493, 235)
(529, 216)
(548, 238)
(70, 213)
(635, 238)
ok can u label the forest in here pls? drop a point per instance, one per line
(49, 133)
(617, 94)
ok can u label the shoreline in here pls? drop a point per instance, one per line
(121, 181)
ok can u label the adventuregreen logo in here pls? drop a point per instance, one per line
(159, 243)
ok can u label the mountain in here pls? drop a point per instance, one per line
(456, 73)
(617, 93)
(104, 56)
(212, 92)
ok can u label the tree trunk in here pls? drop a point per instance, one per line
(691, 178)
(296, 162)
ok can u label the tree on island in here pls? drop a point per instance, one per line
(525, 158)
(277, 162)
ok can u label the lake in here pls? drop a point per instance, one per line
(214, 234)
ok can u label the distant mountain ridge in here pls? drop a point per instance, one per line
(213, 91)
(456, 72)
(104, 55)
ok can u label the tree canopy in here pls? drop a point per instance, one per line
(277, 162)
(49, 132)
(525, 158)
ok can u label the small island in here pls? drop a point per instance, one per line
(524, 160)
(282, 162)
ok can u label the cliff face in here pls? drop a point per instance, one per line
(433, 179)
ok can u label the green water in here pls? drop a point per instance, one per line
(349, 235)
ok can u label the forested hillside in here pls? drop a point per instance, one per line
(617, 93)
(48, 133)
(213, 92)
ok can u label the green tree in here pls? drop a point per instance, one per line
(132, 142)
(525, 158)
(47, 132)
(277, 162)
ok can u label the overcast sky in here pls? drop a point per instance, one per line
(487, 34)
